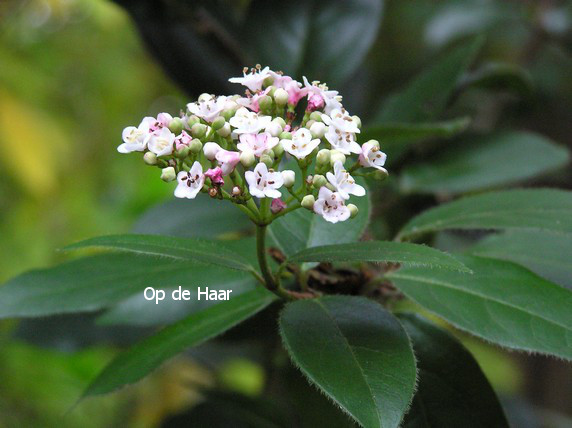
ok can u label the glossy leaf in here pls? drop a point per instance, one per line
(96, 282)
(500, 302)
(209, 252)
(296, 36)
(528, 209)
(546, 254)
(146, 356)
(302, 229)
(452, 389)
(356, 352)
(482, 163)
(201, 217)
(380, 251)
(427, 95)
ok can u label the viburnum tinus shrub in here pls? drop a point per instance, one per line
(289, 157)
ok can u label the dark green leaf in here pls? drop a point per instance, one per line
(500, 76)
(427, 96)
(500, 302)
(547, 255)
(297, 36)
(201, 217)
(146, 356)
(302, 229)
(528, 209)
(209, 252)
(356, 352)
(452, 390)
(482, 163)
(380, 251)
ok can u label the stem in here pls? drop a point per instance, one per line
(287, 210)
(269, 280)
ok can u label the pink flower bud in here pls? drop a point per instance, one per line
(183, 140)
(277, 205)
(315, 102)
(215, 175)
(227, 160)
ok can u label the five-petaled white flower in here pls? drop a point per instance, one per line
(252, 80)
(330, 205)
(331, 98)
(340, 119)
(257, 143)
(248, 122)
(190, 183)
(161, 142)
(135, 139)
(342, 141)
(208, 108)
(344, 182)
(263, 183)
(301, 144)
(371, 156)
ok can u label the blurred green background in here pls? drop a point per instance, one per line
(74, 73)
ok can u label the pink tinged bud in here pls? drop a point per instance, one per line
(277, 205)
(227, 160)
(315, 102)
(295, 94)
(215, 174)
(183, 140)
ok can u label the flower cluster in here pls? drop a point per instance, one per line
(243, 147)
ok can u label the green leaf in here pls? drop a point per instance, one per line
(356, 352)
(201, 217)
(96, 282)
(302, 229)
(452, 388)
(545, 254)
(500, 302)
(529, 209)
(482, 163)
(500, 76)
(380, 251)
(209, 252)
(427, 95)
(296, 36)
(144, 357)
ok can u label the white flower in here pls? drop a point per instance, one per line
(331, 98)
(210, 150)
(342, 141)
(340, 119)
(248, 122)
(301, 144)
(190, 183)
(257, 143)
(330, 205)
(208, 107)
(161, 142)
(344, 182)
(371, 156)
(135, 139)
(263, 183)
(252, 80)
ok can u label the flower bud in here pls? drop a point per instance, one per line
(280, 97)
(176, 126)
(168, 174)
(277, 205)
(228, 113)
(374, 143)
(267, 160)
(309, 124)
(198, 130)
(213, 192)
(289, 177)
(380, 174)
(316, 116)
(218, 123)
(278, 150)
(357, 121)
(236, 191)
(268, 81)
(204, 97)
(210, 150)
(336, 156)
(280, 121)
(195, 146)
(265, 103)
(353, 210)
(270, 90)
(319, 181)
(274, 129)
(183, 152)
(323, 157)
(150, 158)
(286, 136)
(308, 202)
(193, 120)
(318, 130)
(247, 158)
(224, 131)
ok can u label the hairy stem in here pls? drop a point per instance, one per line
(270, 281)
